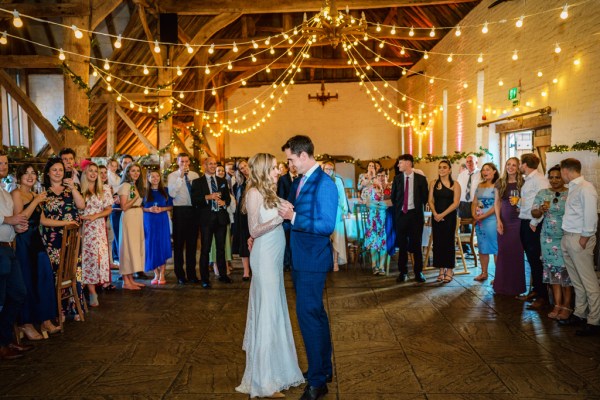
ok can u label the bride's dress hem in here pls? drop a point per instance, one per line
(279, 388)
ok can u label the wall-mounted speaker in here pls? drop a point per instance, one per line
(168, 28)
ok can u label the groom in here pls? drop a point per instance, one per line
(312, 213)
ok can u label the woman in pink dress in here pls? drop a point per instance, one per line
(94, 244)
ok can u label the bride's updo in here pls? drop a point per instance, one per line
(260, 178)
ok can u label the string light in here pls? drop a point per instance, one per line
(515, 55)
(189, 48)
(540, 74)
(213, 92)
(519, 22)
(465, 85)
(544, 94)
(411, 33)
(480, 58)
(17, 21)
(118, 43)
(450, 58)
(146, 71)
(268, 40)
(146, 91)
(381, 44)
(577, 61)
(78, 34)
(119, 98)
(229, 66)
(235, 48)
(555, 80)
(61, 55)
(485, 28)
(457, 32)
(402, 51)
(211, 49)
(106, 64)
(425, 55)
(131, 105)
(432, 33)
(179, 73)
(207, 70)
(272, 51)
(156, 47)
(3, 39)
(108, 88)
(181, 95)
(254, 44)
(500, 82)
(564, 13)
(253, 58)
(557, 48)
(378, 28)
(108, 78)
(431, 80)
(393, 31)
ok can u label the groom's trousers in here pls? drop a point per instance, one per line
(314, 324)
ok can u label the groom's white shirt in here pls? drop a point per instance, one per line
(306, 176)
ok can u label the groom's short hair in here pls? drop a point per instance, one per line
(299, 144)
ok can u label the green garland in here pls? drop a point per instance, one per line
(457, 156)
(78, 80)
(590, 145)
(17, 152)
(165, 117)
(85, 131)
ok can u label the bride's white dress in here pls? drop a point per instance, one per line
(271, 360)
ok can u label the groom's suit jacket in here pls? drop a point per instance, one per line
(316, 208)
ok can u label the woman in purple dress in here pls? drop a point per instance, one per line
(510, 265)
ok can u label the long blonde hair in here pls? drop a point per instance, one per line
(260, 178)
(87, 189)
(503, 181)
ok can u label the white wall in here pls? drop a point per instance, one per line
(47, 92)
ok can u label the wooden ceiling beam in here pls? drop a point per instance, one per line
(210, 7)
(149, 36)
(19, 62)
(32, 111)
(102, 9)
(48, 10)
(135, 129)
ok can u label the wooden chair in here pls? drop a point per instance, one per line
(66, 276)
(459, 250)
(468, 238)
(361, 213)
(351, 193)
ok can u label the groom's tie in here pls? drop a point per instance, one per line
(300, 185)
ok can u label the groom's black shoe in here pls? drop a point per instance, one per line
(314, 393)
(328, 377)
(402, 278)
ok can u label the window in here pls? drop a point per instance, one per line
(517, 143)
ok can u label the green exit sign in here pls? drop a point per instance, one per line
(512, 93)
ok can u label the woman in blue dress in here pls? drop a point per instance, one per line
(550, 203)
(485, 218)
(157, 233)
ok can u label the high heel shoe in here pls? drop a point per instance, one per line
(554, 313)
(48, 326)
(94, 300)
(30, 332)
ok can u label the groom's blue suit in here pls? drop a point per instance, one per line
(315, 208)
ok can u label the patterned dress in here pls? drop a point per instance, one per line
(375, 238)
(555, 271)
(94, 241)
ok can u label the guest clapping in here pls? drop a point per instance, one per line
(157, 204)
(484, 214)
(365, 181)
(444, 198)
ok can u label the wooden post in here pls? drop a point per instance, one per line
(76, 101)
(201, 84)
(111, 129)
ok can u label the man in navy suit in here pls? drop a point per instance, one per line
(312, 209)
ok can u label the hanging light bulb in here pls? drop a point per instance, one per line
(148, 110)
(290, 53)
(544, 94)
(108, 78)
(268, 40)
(485, 28)
(189, 48)
(146, 71)
(181, 95)
(515, 55)
(432, 32)
(131, 105)
(243, 82)
(235, 48)
(106, 64)
(577, 61)
(61, 55)
(229, 66)
(268, 70)
(207, 70)
(108, 88)
(402, 51)
(425, 55)
(156, 47)
(519, 22)
(155, 109)
(211, 49)
(118, 42)
(480, 58)
(365, 38)
(457, 32)
(450, 58)
(4, 39)
(253, 58)
(214, 92)
(272, 51)
(94, 73)
(465, 85)
(431, 80)
(179, 73)
(403, 71)
(411, 33)
(555, 80)
(381, 44)
(393, 31)
(540, 74)
(140, 108)
(557, 48)
(500, 82)
(378, 28)
(78, 34)
(17, 21)
(146, 91)
(254, 44)
(119, 98)
(563, 15)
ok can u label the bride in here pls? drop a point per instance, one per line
(271, 360)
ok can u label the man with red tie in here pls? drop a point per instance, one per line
(409, 196)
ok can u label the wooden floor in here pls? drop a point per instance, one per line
(430, 341)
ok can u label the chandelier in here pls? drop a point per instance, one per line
(333, 25)
(322, 97)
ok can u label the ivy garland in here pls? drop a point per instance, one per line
(76, 79)
(86, 131)
(17, 152)
(457, 156)
(590, 145)
(165, 117)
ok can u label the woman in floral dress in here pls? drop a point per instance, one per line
(550, 203)
(61, 208)
(94, 240)
(375, 238)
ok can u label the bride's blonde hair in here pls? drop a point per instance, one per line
(260, 178)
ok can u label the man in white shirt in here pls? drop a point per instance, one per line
(530, 234)
(114, 180)
(185, 220)
(468, 180)
(580, 222)
(12, 288)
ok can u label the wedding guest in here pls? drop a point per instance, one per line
(103, 171)
(114, 180)
(185, 221)
(240, 228)
(230, 174)
(115, 217)
(549, 204)
(61, 209)
(444, 198)
(131, 236)
(484, 214)
(375, 236)
(12, 288)
(95, 266)
(468, 180)
(157, 204)
(378, 167)
(210, 196)
(284, 184)
(580, 222)
(533, 182)
(67, 156)
(40, 303)
(213, 249)
(6, 181)
(409, 196)
(365, 181)
(338, 238)
(510, 266)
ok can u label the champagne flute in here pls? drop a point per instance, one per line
(514, 197)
